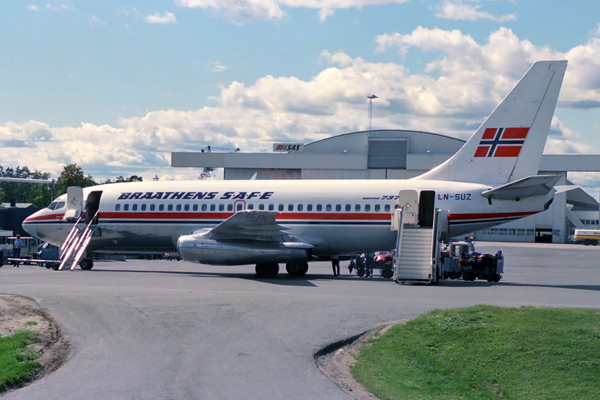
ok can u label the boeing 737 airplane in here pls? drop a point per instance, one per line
(492, 179)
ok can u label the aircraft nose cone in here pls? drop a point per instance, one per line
(30, 228)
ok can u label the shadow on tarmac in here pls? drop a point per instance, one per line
(281, 279)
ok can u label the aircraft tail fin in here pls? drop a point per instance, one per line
(508, 146)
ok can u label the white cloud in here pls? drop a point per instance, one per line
(33, 7)
(457, 10)
(459, 88)
(167, 18)
(96, 21)
(215, 66)
(271, 9)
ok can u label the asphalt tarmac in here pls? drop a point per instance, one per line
(176, 330)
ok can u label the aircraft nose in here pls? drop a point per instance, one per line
(30, 227)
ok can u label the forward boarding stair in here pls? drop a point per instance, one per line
(80, 235)
(417, 245)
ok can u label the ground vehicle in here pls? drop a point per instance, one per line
(383, 260)
(460, 260)
(587, 236)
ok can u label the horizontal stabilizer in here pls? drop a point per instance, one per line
(565, 188)
(539, 185)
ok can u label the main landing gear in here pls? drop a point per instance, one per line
(267, 270)
(270, 270)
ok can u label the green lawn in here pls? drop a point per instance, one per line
(486, 352)
(16, 361)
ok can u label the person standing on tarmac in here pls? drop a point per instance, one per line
(335, 262)
(17, 246)
(369, 261)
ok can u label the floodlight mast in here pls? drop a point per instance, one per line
(371, 97)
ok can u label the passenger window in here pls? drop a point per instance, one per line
(290, 207)
(170, 207)
(195, 207)
(261, 206)
(338, 207)
(204, 207)
(126, 207)
(143, 207)
(309, 207)
(367, 207)
(348, 207)
(221, 207)
(328, 207)
(319, 207)
(387, 208)
(212, 207)
(238, 207)
(178, 207)
(117, 207)
(161, 207)
(186, 207)
(134, 207)
(281, 207)
(300, 207)
(357, 207)
(152, 207)
(271, 207)
(250, 206)
(229, 207)
(377, 207)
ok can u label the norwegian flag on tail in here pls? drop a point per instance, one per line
(501, 142)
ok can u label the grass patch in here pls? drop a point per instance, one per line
(30, 323)
(486, 352)
(16, 361)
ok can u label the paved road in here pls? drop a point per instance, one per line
(174, 330)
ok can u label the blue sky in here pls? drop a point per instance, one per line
(115, 86)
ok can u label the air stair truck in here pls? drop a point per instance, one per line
(418, 258)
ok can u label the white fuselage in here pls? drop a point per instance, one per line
(335, 216)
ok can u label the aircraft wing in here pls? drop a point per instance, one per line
(249, 225)
(538, 185)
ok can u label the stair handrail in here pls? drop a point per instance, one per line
(70, 237)
(398, 243)
(78, 244)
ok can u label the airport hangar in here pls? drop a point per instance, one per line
(403, 154)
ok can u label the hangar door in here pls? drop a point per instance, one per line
(387, 153)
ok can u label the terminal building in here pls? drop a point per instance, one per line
(403, 154)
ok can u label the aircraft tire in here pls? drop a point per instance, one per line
(267, 270)
(86, 264)
(296, 268)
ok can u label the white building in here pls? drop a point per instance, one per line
(403, 154)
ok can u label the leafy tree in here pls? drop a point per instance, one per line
(72, 175)
(37, 194)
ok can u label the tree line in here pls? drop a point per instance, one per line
(41, 195)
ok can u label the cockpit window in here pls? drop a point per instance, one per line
(53, 205)
(60, 205)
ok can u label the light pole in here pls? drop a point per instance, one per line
(371, 97)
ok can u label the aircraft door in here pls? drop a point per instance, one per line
(74, 202)
(426, 208)
(91, 206)
(239, 205)
(409, 201)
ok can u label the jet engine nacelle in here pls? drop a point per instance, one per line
(195, 248)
